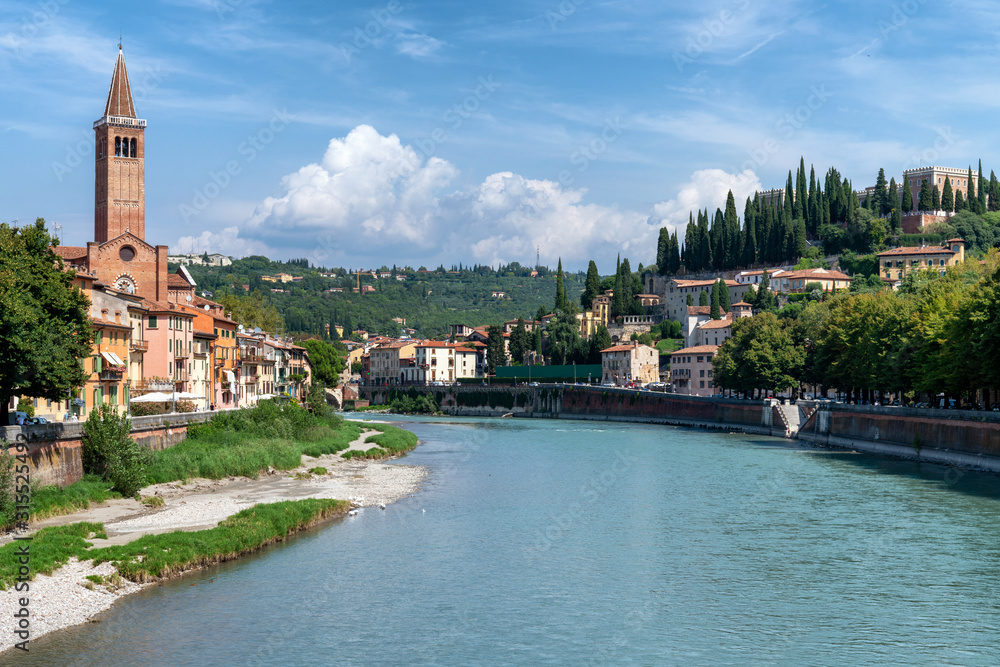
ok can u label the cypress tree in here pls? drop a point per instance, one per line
(675, 254)
(616, 297)
(948, 196)
(892, 196)
(812, 220)
(724, 296)
(789, 196)
(959, 201)
(628, 295)
(800, 238)
(896, 219)
(703, 298)
(690, 299)
(749, 235)
(971, 201)
(881, 195)
(982, 189)
(924, 202)
(560, 288)
(662, 247)
(935, 199)
(994, 193)
(591, 286)
(691, 251)
(907, 196)
(704, 243)
(801, 195)
(716, 308)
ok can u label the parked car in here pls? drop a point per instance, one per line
(37, 420)
(532, 384)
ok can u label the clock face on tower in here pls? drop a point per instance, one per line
(125, 284)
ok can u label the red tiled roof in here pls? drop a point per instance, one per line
(175, 280)
(120, 95)
(819, 274)
(699, 310)
(698, 349)
(718, 324)
(69, 251)
(928, 250)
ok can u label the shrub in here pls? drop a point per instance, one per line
(110, 451)
(7, 505)
(146, 409)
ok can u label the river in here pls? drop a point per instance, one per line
(559, 542)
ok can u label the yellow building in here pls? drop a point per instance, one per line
(896, 263)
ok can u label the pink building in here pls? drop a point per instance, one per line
(170, 335)
(691, 370)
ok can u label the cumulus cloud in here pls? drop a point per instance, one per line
(418, 45)
(372, 199)
(707, 188)
(227, 242)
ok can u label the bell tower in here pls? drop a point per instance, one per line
(119, 184)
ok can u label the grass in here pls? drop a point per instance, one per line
(152, 501)
(319, 470)
(50, 501)
(668, 345)
(392, 441)
(245, 447)
(159, 556)
(50, 549)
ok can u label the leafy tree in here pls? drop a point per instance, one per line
(496, 354)
(762, 354)
(519, 342)
(564, 339)
(326, 361)
(602, 338)
(764, 299)
(253, 310)
(110, 451)
(44, 321)
(959, 201)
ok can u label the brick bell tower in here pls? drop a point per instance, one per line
(119, 184)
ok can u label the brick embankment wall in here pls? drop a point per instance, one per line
(941, 436)
(55, 450)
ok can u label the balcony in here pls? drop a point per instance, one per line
(147, 386)
(109, 375)
(250, 379)
(181, 354)
(201, 354)
(253, 358)
(182, 376)
(139, 346)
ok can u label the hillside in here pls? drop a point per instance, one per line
(428, 301)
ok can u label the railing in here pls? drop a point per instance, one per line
(253, 358)
(182, 376)
(113, 376)
(201, 354)
(144, 387)
(250, 379)
(181, 354)
(139, 345)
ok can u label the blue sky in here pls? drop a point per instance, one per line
(363, 133)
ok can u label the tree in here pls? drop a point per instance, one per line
(935, 199)
(110, 451)
(924, 202)
(690, 299)
(724, 300)
(662, 251)
(881, 194)
(971, 201)
(44, 320)
(496, 353)
(762, 354)
(764, 299)
(326, 361)
(560, 289)
(907, 196)
(519, 342)
(716, 308)
(592, 286)
(602, 338)
(948, 196)
(703, 298)
(564, 339)
(254, 310)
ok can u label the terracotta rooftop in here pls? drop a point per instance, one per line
(698, 349)
(625, 348)
(718, 324)
(926, 250)
(815, 273)
(70, 252)
(703, 283)
(699, 310)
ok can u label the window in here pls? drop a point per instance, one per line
(152, 322)
(98, 396)
(100, 337)
(170, 367)
(700, 359)
(114, 394)
(702, 384)
(132, 149)
(702, 373)
(170, 345)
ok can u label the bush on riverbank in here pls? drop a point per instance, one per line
(110, 451)
(391, 441)
(246, 442)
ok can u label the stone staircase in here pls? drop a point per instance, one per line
(790, 415)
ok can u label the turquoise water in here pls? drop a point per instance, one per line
(577, 543)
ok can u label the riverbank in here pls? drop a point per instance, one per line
(64, 599)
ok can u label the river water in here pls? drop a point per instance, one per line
(576, 543)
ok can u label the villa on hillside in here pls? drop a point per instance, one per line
(896, 263)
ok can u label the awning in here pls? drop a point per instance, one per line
(118, 360)
(108, 358)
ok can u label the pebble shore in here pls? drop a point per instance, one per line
(62, 600)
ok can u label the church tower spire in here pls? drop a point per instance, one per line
(119, 186)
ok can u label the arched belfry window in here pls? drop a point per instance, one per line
(118, 146)
(132, 149)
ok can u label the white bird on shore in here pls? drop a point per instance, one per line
(381, 506)
(352, 513)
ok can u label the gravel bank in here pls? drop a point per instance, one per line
(60, 601)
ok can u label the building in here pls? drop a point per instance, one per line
(754, 277)
(633, 362)
(790, 282)
(677, 292)
(936, 176)
(215, 259)
(896, 263)
(384, 363)
(691, 370)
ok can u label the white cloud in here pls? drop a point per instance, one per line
(417, 45)
(373, 197)
(708, 188)
(227, 242)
